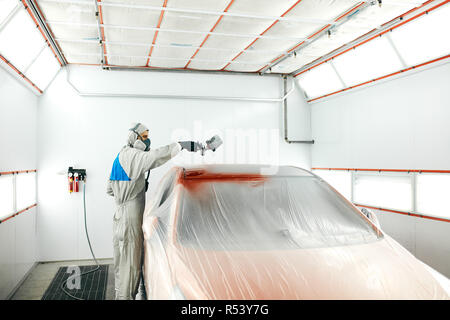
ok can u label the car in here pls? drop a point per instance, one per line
(261, 232)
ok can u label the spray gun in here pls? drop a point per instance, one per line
(211, 144)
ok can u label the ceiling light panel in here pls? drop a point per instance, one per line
(20, 40)
(6, 7)
(425, 38)
(319, 81)
(371, 60)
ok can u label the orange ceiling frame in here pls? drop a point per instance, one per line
(374, 37)
(161, 16)
(40, 29)
(382, 77)
(50, 31)
(102, 31)
(207, 36)
(403, 212)
(20, 74)
(267, 29)
(346, 13)
(378, 34)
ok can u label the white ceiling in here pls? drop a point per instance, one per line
(198, 34)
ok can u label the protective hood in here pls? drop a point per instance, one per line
(133, 141)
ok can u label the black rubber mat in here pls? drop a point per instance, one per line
(91, 287)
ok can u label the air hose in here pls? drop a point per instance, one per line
(64, 283)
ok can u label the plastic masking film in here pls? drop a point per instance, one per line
(216, 234)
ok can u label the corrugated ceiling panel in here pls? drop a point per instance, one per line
(167, 63)
(68, 12)
(265, 44)
(83, 59)
(243, 67)
(209, 5)
(189, 21)
(262, 7)
(130, 16)
(202, 65)
(128, 35)
(80, 48)
(77, 32)
(127, 61)
(293, 29)
(360, 24)
(178, 52)
(321, 9)
(238, 25)
(127, 50)
(186, 43)
(155, 3)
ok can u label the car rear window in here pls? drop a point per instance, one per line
(271, 214)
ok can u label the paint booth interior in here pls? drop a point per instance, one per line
(333, 118)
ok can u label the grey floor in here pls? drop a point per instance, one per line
(34, 286)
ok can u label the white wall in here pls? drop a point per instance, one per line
(88, 132)
(18, 109)
(403, 124)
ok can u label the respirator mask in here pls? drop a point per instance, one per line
(143, 145)
(140, 144)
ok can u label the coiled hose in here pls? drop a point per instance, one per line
(64, 283)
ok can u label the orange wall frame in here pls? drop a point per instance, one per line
(23, 210)
(20, 73)
(392, 170)
(374, 37)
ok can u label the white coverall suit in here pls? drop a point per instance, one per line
(127, 185)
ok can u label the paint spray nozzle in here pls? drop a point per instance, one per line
(212, 144)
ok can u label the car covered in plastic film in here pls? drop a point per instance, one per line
(235, 232)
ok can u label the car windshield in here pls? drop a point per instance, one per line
(271, 214)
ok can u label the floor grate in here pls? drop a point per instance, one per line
(91, 287)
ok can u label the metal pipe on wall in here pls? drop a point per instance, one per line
(285, 115)
(172, 96)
